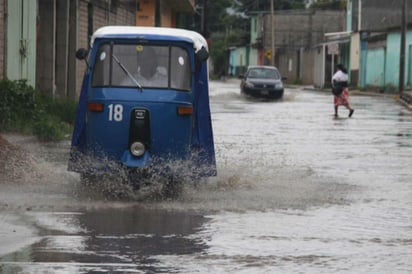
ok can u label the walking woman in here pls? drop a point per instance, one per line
(340, 84)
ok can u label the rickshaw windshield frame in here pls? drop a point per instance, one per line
(150, 65)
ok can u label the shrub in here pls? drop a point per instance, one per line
(51, 128)
(17, 103)
(24, 110)
(297, 81)
(63, 108)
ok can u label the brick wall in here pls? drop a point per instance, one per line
(82, 42)
(103, 15)
(2, 38)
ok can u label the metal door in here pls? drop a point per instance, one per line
(21, 40)
(375, 69)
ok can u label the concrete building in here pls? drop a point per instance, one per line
(366, 38)
(39, 38)
(376, 30)
(18, 39)
(62, 28)
(296, 40)
(166, 13)
(296, 36)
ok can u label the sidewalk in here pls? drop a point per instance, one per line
(404, 99)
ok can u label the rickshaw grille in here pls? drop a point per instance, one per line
(140, 127)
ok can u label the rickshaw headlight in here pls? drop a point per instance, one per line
(137, 149)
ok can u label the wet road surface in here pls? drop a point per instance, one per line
(297, 191)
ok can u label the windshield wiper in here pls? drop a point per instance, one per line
(127, 72)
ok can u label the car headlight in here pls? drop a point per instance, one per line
(249, 85)
(279, 85)
(137, 149)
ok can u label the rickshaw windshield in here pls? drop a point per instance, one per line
(150, 66)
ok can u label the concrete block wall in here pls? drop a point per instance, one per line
(303, 28)
(295, 34)
(379, 15)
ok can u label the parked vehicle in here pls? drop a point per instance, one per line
(262, 81)
(144, 104)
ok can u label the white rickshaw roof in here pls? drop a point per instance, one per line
(147, 32)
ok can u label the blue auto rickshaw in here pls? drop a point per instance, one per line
(144, 103)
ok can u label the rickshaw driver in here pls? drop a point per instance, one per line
(148, 73)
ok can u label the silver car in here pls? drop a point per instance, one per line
(262, 81)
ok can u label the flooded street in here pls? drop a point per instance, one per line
(297, 191)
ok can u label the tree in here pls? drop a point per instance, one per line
(227, 23)
(264, 5)
(329, 5)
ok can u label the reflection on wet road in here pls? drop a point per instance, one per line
(107, 240)
(298, 191)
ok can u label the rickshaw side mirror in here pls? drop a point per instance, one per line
(202, 55)
(82, 53)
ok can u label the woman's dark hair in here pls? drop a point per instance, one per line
(342, 68)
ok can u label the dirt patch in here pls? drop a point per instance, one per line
(16, 164)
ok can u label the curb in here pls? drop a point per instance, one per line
(406, 100)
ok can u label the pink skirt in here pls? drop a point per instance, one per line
(342, 99)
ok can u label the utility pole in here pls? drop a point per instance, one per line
(202, 17)
(402, 52)
(272, 35)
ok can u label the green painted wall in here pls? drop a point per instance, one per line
(393, 57)
(375, 70)
(382, 64)
(238, 60)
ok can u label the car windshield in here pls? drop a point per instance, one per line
(263, 73)
(137, 65)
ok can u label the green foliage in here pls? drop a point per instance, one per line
(329, 5)
(264, 5)
(297, 81)
(17, 103)
(24, 110)
(216, 14)
(51, 128)
(228, 27)
(219, 53)
(62, 108)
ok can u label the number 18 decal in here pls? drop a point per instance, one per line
(115, 112)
